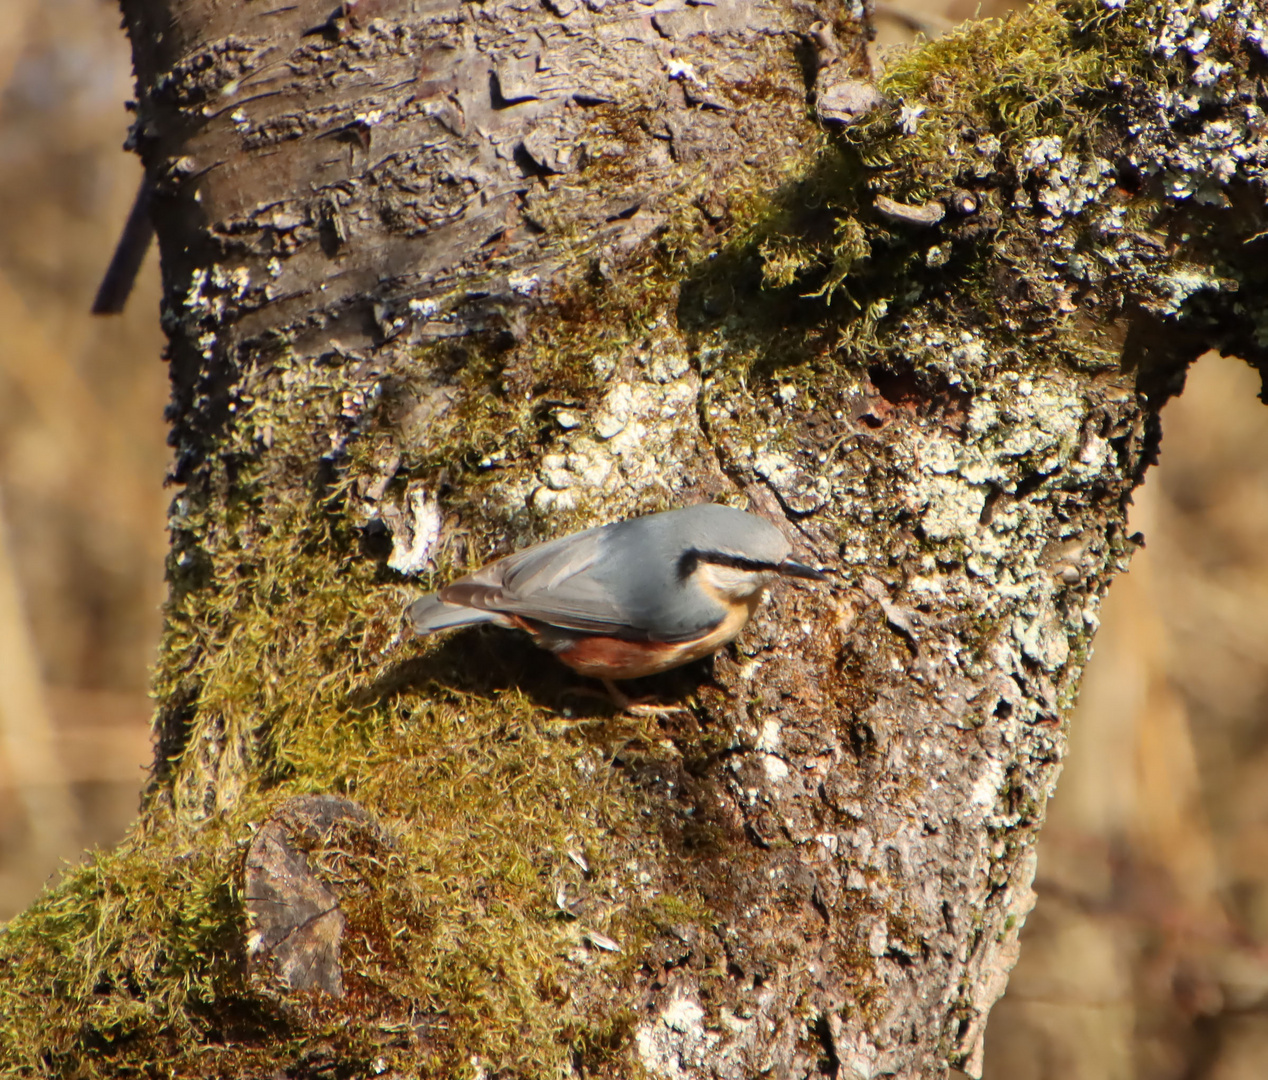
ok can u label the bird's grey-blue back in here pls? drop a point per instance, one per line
(631, 574)
(628, 579)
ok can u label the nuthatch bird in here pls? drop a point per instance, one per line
(628, 599)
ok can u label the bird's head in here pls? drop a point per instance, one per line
(728, 553)
(736, 575)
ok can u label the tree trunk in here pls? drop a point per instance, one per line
(443, 279)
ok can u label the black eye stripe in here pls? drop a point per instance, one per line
(687, 563)
(691, 559)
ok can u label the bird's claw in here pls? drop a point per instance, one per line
(626, 704)
(642, 707)
(647, 708)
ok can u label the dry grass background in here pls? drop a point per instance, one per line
(82, 454)
(1147, 955)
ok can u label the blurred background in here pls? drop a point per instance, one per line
(1147, 954)
(82, 453)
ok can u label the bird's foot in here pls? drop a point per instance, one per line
(626, 704)
(641, 707)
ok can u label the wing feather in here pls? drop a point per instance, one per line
(555, 583)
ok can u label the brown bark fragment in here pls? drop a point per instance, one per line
(295, 925)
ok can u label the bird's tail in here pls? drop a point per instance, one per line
(429, 613)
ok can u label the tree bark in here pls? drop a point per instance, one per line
(442, 279)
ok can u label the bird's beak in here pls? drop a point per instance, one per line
(795, 569)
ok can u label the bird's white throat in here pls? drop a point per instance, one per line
(732, 583)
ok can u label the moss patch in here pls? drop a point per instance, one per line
(823, 277)
(967, 104)
(457, 949)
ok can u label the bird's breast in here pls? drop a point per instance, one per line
(616, 658)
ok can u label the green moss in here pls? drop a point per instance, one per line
(821, 278)
(122, 955)
(1047, 71)
(456, 932)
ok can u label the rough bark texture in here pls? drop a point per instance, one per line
(442, 279)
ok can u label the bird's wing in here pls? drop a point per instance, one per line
(430, 613)
(555, 583)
